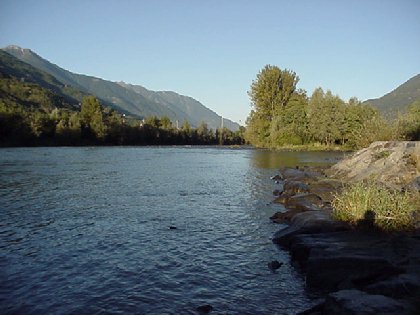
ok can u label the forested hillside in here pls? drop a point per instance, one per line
(37, 109)
(128, 99)
(398, 100)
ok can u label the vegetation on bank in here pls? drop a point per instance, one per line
(29, 116)
(371, 205)
(284, 116)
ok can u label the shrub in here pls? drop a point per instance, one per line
(388, 210)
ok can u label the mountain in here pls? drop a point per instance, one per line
(20, 83)
(133, 100)
(191, 108)
(399, 99)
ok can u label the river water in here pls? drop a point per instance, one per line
(87, 231)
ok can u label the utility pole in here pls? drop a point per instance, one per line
(222, 123)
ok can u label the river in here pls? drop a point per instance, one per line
(87, 231)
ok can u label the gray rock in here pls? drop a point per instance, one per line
(344, 271)
(292, 187)
(277, 192)
(304, 202)
(311, 222)
(414, 185)
(297, 174)
(326, 188)
(402, 286)
(389, 162)
(355, 302)
(276, 177)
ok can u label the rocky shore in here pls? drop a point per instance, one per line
(352, 269)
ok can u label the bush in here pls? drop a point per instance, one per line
(367, 202)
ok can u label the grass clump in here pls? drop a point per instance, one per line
(367, 202)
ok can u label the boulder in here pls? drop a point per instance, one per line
(277, 192)
(292, 187)
(276, 177)
(392, 163)
(401, 286)
(299, 174)
(331, 271)
(295, 205)
(304, 202)
(284, 217)
(414, 185)
(326, 189)
(310, 222)
(355, 302)
(281, 199)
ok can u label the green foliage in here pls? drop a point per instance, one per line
(283, 117)
(326, 117)
(370, 203)
(132, 100)
(33, 86)
(20, 125)
(399, 99)
(271, 90)
(408, 125)
(290, 126)
(91, 118)
(258, 130)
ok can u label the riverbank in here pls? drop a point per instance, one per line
(351, 269)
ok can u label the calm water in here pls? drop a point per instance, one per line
(86, 231)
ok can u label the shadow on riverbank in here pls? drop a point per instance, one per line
(351, 269)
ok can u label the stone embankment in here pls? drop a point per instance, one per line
(354, 270)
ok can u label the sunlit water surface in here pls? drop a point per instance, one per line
(86, 231)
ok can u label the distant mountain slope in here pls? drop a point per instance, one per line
(398, 99)
(23, 84)
(130, 99)
(191, 109)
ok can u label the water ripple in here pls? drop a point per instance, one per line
(86, 231)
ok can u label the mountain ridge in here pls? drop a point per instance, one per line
(399, 98)
(130, 99)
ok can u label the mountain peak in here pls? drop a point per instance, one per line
(18, 49)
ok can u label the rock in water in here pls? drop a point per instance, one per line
(204, 309)
(276, 177)
(274, 265)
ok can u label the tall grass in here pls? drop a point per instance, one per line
(388, 210)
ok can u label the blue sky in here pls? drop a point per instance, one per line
(212, 50)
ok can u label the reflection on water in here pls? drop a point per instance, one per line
(86, 230)
(268, 159)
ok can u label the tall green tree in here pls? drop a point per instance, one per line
(165, 123)
(270, 93)
(91, 118)
(271, 90)
(326, 117)
(291, 125)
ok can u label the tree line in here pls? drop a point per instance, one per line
(283, 115)
(95, 125)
